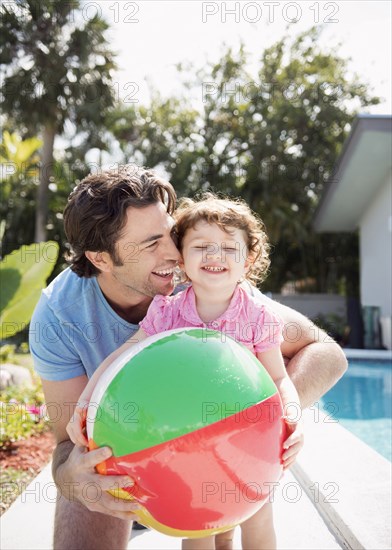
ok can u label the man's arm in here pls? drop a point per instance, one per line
(61, 397)
(314, 361)
(73, 467)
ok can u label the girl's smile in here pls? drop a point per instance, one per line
(214, 269)
(212, 255)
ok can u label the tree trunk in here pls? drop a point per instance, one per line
(41, 212)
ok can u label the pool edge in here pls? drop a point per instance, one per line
(359, 512)
(381, 354)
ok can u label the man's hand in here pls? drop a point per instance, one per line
(77, 480)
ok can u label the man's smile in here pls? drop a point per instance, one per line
(164, 273)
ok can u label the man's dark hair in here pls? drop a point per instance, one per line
(96, 211)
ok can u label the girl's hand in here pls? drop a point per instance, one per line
(293, 443)
(76, 427)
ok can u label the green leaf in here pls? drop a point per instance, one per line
(10, 282)
(23, 275)
(18, 152)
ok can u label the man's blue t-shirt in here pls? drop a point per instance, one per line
(73, 328)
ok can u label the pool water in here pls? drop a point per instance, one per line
(361, 401)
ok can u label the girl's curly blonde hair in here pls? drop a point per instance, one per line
(225, 213)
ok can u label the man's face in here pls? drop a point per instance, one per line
(146, 253)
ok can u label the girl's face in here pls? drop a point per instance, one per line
(214, 258)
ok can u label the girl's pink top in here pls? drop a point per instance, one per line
(246, 319)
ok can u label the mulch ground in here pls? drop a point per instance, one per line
(21, 463)
(29, 454)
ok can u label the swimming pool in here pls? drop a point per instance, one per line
(361, 402)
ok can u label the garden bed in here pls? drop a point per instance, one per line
(26, 442)
(20, 463)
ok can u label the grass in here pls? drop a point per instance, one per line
(12, 483)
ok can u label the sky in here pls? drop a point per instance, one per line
(151, 37)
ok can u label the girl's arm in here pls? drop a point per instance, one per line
(272, 361)
(76, 424)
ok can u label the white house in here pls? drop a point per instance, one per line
(359, 195)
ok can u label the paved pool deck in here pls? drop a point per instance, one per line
(338, 495)
(28, 524)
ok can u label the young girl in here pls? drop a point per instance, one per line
(221, 243)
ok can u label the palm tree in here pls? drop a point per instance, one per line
(56, 67)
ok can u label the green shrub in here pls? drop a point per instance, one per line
(7, 353)
(23, 348)
(334, 325)
(21, 413)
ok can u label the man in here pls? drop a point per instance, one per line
(122, 253)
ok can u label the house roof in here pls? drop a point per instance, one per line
(362, 168)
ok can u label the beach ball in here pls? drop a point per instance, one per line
(196, 421)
